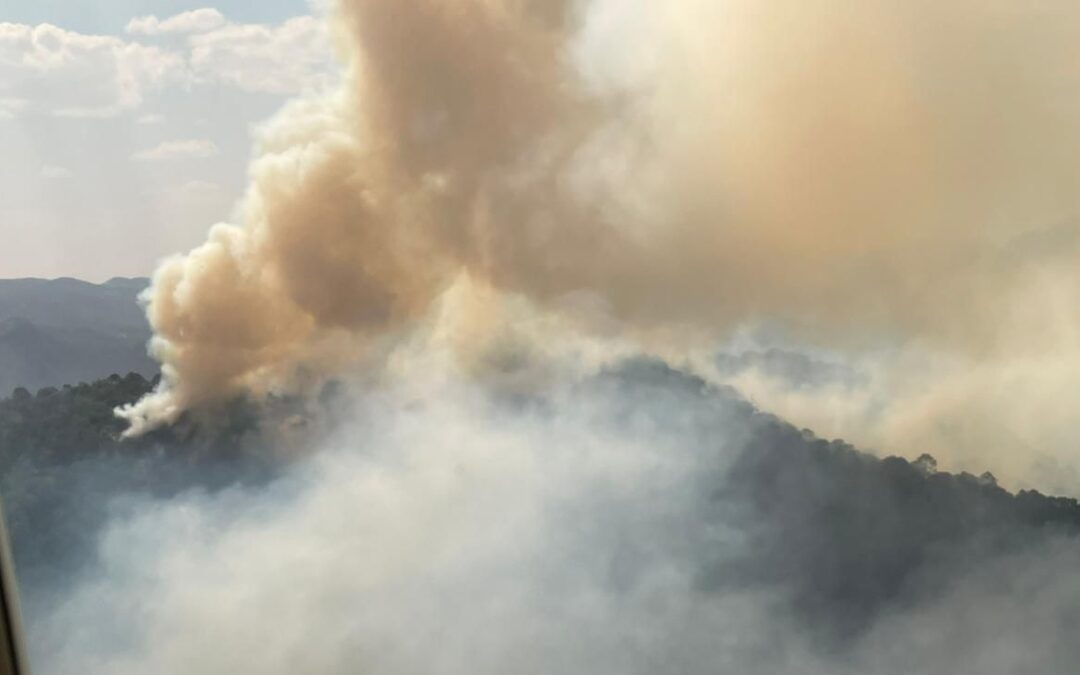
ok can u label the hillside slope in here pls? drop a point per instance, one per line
(839, 537)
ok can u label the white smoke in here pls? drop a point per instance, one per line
(454, 532)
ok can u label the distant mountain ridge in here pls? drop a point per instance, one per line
(61, 331)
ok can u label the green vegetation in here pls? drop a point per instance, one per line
(59, 424)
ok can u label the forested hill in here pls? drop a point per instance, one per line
(61, 331)
(62, 463)
(846, 535)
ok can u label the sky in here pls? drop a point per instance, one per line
(126, 125)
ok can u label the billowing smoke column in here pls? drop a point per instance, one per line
(881, 175)
(859, 174)
(364, 206)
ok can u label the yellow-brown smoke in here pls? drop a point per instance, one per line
(860, 172)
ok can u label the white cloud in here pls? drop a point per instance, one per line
(198, 188)
(278, 59)
(13, 105)
(9, 107)
(49, 69)
(195, 21)
(55, 172)
(178, 149)
(151, 91)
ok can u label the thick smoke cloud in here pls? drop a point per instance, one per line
(864, 176)
(503, 194)
(888, 189)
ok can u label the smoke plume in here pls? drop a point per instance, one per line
(866, 209)
(863, 176)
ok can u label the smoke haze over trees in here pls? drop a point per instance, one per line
(662, 498)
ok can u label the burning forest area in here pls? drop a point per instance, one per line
(550, 336)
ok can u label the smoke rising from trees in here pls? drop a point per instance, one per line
(864, 176)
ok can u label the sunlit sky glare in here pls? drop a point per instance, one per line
(126, 125)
